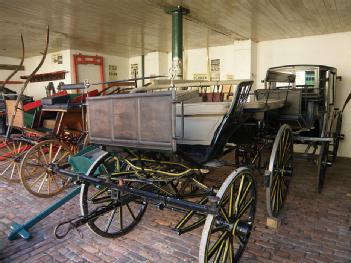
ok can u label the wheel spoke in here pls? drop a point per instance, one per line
(219, 251)
(274, 183)
(245, 193)
(246, 206)
(43, 155)
(231, 200)
(42, 182)
(19, 148)
(224, 214)
(50, 152)
(13, 170)
(225, 254)
(66, 154)
(217, 244)
(239, 193)
(8, 167)
(130, 211)
(110, 220)
(37, 179)
(120, 217)
(57, 153)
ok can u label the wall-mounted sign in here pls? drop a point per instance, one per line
(200, 76)
(134, 69)
(215, 69)
(112, 72)
(57, 58)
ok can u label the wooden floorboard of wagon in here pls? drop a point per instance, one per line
(314, 227)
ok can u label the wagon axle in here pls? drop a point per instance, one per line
(240, 227)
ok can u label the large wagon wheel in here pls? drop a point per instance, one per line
(126, 209)
(322, 164)
(279, 171)
(11, 154)
(36, 170)
(224, 236)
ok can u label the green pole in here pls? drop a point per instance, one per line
(143, 70)
(177, 39)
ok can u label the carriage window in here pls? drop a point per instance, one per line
(305, 79)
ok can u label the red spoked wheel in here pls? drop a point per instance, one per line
(11, 154)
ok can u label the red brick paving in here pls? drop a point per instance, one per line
(315, 228)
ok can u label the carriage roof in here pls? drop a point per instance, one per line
(288, 73)
(292, 68)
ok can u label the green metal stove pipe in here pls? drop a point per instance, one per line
(177, 38)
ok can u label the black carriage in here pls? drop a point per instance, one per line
(309, 92)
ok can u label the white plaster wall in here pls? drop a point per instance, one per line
(332, 50)
(195, 61)
(5, 73)
(242, 59)
(235, 60)
(37, 89)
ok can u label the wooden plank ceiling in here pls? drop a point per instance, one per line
(132, 27)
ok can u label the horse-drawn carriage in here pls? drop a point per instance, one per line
(309, 92)
(146, 150)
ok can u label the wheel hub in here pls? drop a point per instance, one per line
(242, 228)
(50, 168)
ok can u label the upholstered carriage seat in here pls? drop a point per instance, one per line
(200, 121)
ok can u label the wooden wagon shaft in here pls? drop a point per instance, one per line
(19, 96)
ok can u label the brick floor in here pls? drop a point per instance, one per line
(315, 228)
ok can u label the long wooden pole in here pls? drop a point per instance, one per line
(9, 128)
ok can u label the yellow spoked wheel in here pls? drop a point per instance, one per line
(36, 171)
(225, 235)
(280, 171)
(11, 154)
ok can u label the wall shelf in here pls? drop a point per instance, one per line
(57, 75)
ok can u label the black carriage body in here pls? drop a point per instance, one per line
(309, 91)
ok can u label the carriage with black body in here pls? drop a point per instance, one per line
(310, 93)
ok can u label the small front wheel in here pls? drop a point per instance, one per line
(225, 235)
